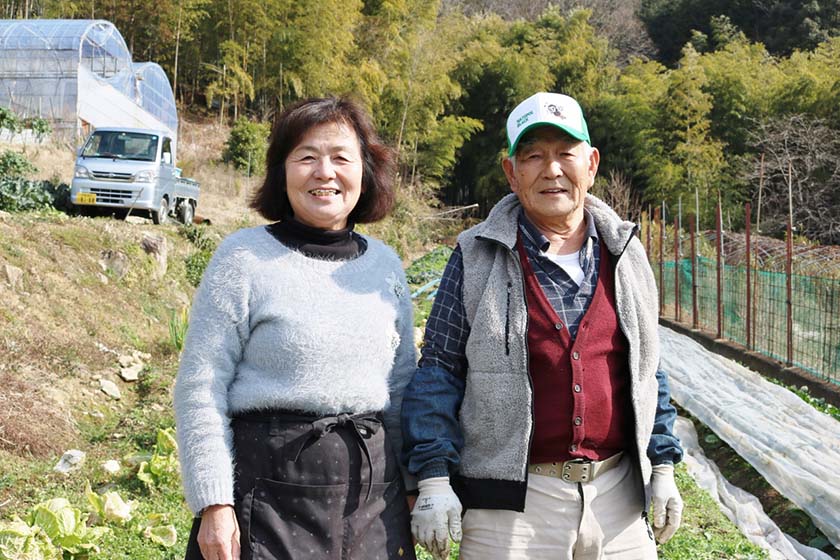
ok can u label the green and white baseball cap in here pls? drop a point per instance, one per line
(542, 109)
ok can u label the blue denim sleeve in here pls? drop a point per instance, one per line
(664, 446)
(432, 438)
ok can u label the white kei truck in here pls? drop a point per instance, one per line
(133, 168)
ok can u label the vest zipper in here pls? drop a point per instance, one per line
(507, 319)
(515, 256)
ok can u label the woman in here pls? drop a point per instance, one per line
(299, 346)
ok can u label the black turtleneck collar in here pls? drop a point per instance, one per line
(343, 244)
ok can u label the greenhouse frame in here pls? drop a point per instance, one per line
(78, 74)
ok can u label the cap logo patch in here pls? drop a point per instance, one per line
(555, 110)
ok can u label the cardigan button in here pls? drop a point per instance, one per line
(575, 355)
(577, 388)
(578, 421)
(558, 326)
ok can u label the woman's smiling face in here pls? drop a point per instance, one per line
(324, 176)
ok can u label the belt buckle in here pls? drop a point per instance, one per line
(577, 470)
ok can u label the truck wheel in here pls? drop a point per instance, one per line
(187, 212)
(161, 215)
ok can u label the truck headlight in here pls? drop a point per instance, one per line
(81, 172)
(147, 176)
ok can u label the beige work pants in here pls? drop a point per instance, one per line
(599, 520)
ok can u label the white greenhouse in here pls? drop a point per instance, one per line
(78, 74)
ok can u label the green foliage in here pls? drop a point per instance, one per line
(681, 154)
(198, 236)
(230, 78)
(109, 507)
(442, 142)
(178, 324)
(419, 274)
(782, 25)
(20, 541)
(14, 165)
(804, 393)
(9, 120)
(20, 195)
(428, 267)
(41, 127)
(66, 527)
(156, 527)
(162, 467)
(318, 39)
(196, 263)
(246, 146)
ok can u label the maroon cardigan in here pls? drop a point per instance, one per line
(582, 386)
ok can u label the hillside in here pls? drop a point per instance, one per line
(77, 296)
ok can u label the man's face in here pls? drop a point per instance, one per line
(551, 173)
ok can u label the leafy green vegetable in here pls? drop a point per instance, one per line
(158, 529)
(162, 468)
(19, 541)
(66, 527)
(110, 506)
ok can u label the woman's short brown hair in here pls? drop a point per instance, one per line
(377, 198)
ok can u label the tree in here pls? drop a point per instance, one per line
(801, 153)
(782, 25)
(622, 118)
(682, 157)
(230, 79)
(617, 22)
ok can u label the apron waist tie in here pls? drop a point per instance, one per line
(363, 425)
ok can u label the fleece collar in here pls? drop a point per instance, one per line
(502, 222)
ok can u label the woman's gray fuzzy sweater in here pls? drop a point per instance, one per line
(273, 329)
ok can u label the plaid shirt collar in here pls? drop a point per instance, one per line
(540, 242)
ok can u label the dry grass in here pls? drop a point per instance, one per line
(54, 161)
(224, 192)
(20, 403)
(63, 324)
(67, 319)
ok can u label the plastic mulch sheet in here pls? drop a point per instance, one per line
(741, 507)
(792, 445)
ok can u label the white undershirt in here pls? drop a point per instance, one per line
(570, 263)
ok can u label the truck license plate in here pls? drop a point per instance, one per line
(86, 198)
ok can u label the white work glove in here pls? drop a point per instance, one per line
(667, 503)
(436, 516)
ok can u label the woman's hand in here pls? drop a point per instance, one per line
(218, 536)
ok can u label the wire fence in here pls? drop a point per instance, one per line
(773, 297)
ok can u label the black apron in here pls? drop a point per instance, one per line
(309, 487)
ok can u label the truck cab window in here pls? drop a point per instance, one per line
(166, 152)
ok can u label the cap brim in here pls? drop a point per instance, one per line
(577, 135)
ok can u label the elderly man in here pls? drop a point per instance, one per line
(538, 408)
